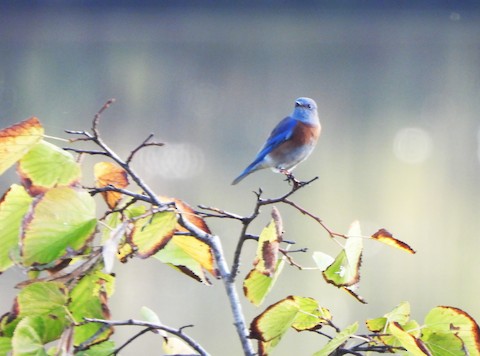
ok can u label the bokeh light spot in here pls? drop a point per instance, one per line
(174, 161)
(412, 145)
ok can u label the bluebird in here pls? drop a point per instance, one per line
(290, 142)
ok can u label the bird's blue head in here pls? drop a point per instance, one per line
(305, 110)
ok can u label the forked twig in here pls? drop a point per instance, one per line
(152, 326)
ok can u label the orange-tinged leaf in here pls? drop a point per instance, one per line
(17, 140)
(188, 213)
(150, 234)
(352, 290)
(387, 238)
(108, 173)
(185, 252)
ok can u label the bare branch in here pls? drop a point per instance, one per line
(144, 144)
(110, 188)
(290, 259)
(96, 118)
(153, 326)
(220, 213)
(316, 218)
(89, 152)
(130, 340)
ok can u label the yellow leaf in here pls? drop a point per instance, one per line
(17, 140)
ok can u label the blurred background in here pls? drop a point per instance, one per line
(398, 90)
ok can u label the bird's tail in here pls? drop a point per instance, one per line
(241, 176)
(255, 166)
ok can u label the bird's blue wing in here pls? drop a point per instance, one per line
(281, 133)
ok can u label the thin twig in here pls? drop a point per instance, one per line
(316, 218)
(89, 152)
(246, 221)
(130, 340)
(144, 144)
(121, 209)
(290, 259)
(177, 332)
(96, 119)
(220, 213)
(111, 188)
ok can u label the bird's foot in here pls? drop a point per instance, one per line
(291, 179)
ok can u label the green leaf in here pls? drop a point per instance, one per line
(338, 340)
(400, 314)
(26, 340)
(42, 298)
(444, 319)
(8, 322)
(344, 271)
(149, 315)
(13, 206)
(105, 348)
(152, 233)
(62, 221)
(46, 166)
(322, 260)
(264, 347)
(257, 285)
(89, 299)
(311, 315)
(5, 345)
(413, 345)
(377, 325)
(135, 210)
(275, 320)
(33, 332)
(444, 344)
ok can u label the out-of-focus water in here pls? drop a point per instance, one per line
(399, 100)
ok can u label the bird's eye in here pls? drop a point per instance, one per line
(297, 104)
